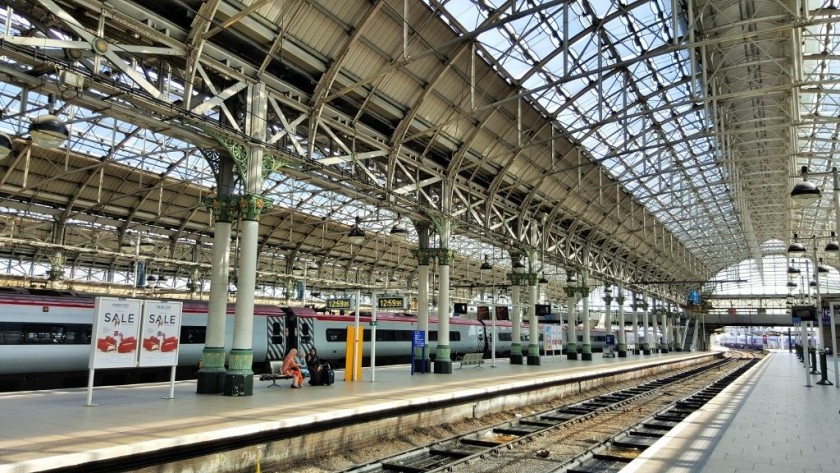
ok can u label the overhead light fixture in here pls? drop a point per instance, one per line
(147, 244)
(379, 281)
(393, 278)
(151, 278)
(832, 246)
(162, 278)
(543, 279)
(805, 192)
(813, 283)
(821, 267)
(356, 234)
(297, 270)
(795, 246)
(486, 267)
(48, 131)
(6, 145)
(792, 270)
(791, 284)
(518, 265)
(571, 277)
(399, 230)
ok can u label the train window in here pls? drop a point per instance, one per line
(505, 337)
(454, 336)
(44, 334)
(193, 334)
(304, 329)
(11, 334)
(275, 329)
(433, 336)
(580, 338)
(336, 335)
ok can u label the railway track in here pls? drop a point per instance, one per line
(478, 449)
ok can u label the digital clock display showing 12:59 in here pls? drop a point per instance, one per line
(391, 303)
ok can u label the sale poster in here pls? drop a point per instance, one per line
(115, 329)
(160, 333)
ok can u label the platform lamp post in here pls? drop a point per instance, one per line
(806, 193)
(798, 248)
(834, 247)
(140, 244)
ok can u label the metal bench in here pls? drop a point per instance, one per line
(609, 351)
(274, 374)
(476, 359)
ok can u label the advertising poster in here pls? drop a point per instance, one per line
(160, 332)
(115, 333)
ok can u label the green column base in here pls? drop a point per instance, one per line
(645, 349)
(663, 350)
(443, 360)
(443, 366)
(534, 355)
(622, 350)
(586, 352)
(571, 351)
(516, 354)
(678, 349)
(210, 382)
(211, 376)
(237, 384)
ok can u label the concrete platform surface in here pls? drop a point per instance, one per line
(49, 429)
(767, 421)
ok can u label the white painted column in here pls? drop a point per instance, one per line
(516, 331)
(533, 327)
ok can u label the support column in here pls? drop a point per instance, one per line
(533, 327)
(678, 329)
(586, 349)
(637, 341)
(646, 325)
(516, 322)
(622, 336)
(239, 380)
(665, 335)
(443, 353)
(654, 327)
(424, 257)
(571, 333)
(212, 372)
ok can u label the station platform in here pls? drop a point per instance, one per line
(766, 421)
(46, 430)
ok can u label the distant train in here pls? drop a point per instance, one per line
(45, 338)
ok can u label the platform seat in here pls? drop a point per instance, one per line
(476, 359)
(274, 374)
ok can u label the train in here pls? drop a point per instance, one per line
(45, 338)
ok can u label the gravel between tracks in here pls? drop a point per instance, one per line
(558, 446)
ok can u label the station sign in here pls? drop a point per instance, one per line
(340, 303)
(390, 302)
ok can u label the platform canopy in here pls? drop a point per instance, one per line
(649, 140)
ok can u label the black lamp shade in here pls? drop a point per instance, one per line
(805, 192)
(356, 234)
(796, 248)
(48, 131)
(5, 145)
(486, 266)
(791, 284)
(543, 280)
(792, 270)
(518, 265)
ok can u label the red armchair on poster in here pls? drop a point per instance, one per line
(169, 344)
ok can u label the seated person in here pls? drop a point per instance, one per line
(314, 365)
(292, 368)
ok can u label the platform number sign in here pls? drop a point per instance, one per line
(340, 303)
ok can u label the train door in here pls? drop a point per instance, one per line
(485, 335)
(291, 333)
(306, 334)
(276, 338)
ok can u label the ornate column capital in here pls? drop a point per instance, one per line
(424, 256)
(223, 207)
(444, 256)
(620, 300)
(523, 279)
(570, 291)
(251, 206)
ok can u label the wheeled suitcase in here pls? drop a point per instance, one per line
(327, 374)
